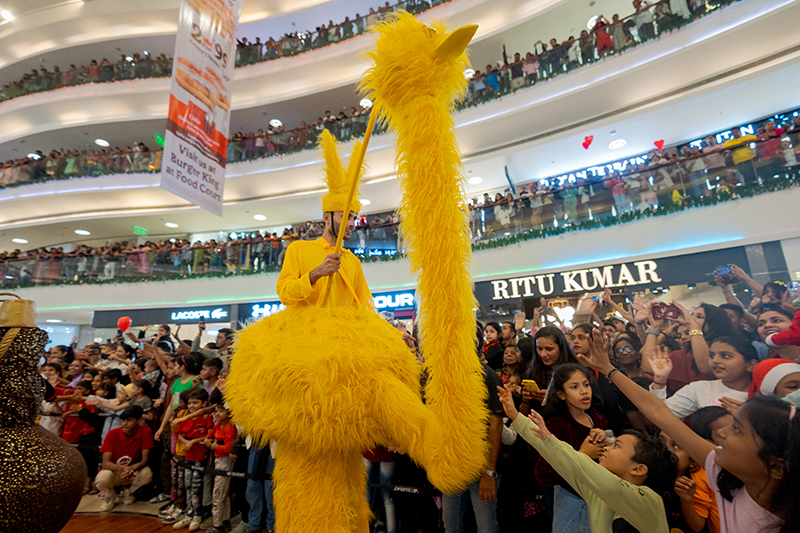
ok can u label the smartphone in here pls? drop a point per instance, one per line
(516, 313)
(203, 320)
(596, 298)
(725, 272)
(530, 385)
(659, 311)
(119, 332)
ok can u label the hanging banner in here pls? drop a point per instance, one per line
(196, 141)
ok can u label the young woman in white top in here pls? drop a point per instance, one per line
(732, 359)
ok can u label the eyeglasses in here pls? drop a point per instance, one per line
(626, 349)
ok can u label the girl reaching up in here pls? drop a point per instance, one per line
(753, 473)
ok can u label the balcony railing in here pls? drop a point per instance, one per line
(144, 66)
(538, 67)
(651, 188)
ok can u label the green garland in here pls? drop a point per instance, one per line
(747, 191)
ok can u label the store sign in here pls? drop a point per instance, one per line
(584, 280)
(206, 314)
(265, 309)
(164, 315)
(394, 300)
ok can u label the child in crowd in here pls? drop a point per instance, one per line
(191, 434)
(753, 472)
(732, 361)
(624, 487)
(176, 512)
(570, 417)
(709, 421)
(775, 376)
(220, 440)
(210, 373)
(110, 408)
(698, 508)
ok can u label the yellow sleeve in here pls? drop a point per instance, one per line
(294, 286)
(361, 288)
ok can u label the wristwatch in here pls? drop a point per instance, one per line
(493, 474)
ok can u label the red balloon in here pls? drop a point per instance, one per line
(587, 141)
(124, 323)
(659, 144)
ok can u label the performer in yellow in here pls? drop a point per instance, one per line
(328, 377)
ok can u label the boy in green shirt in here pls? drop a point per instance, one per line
(625, 486)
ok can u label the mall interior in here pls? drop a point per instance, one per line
(616, 156)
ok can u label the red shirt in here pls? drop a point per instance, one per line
(196, 428)
(226, 434)
(122, 446)
(683, 371)
(75, 427)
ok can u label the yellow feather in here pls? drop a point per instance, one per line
(336, 179)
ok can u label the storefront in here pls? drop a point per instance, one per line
(570, 293)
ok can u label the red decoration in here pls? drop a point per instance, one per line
(124, 323)
(659, 144)
(587, 141)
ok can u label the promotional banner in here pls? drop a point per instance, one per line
(196, 141)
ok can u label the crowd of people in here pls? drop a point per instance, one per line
(666, 176)
(138, 66)
(255, 251)
(648, 21)
(612, 390)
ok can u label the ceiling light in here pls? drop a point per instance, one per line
(128, 58)
(101, 142)
(616, 144)
(83, 232)
(6, 14)
(260, 217)
(365, 201)
(475, 180)
(468, 73)
(275, 123)
(34, 155)
(53, 320)
(366, 103)
(20, 241)
(592, 22)
(171, 225)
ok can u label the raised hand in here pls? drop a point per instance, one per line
(591, 448)
(598, 354)
(538, 427)
(661, 364)
(685, 488)
(519, 322)
(506, 398)
(730, 404)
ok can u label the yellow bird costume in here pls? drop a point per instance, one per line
(327, 382)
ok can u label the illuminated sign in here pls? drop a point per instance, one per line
(385, 301)
(194, 315)
(394, 300)
(584, 280)
(267, 309)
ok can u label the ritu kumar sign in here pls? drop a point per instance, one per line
(583, 280)
(196, 140)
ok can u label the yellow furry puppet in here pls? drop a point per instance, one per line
(328, 381)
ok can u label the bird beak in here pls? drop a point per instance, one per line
(456, 43)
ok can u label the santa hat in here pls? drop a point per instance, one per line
(337, 178)
(767, 374)
(787, 337)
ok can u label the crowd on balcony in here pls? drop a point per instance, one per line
(662, 410)
(649, 20)
(664, 177)
(138, 66)
(547, 60)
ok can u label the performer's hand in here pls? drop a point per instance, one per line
(329, 266)
(488, 489)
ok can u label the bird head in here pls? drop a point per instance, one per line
(413, 60)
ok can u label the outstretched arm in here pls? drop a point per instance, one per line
(654, 409)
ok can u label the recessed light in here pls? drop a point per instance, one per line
(53, 320)
(275, 123)
(475, 180)
(7, 14)
(101, 142)
(171, 225)
(366, 103)
(365, 201)
(468, 73)
(616, 144)
(34, 155)
(260, 217)
(83, 232)
(128, 58)
(20, 241)
(592, 21)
